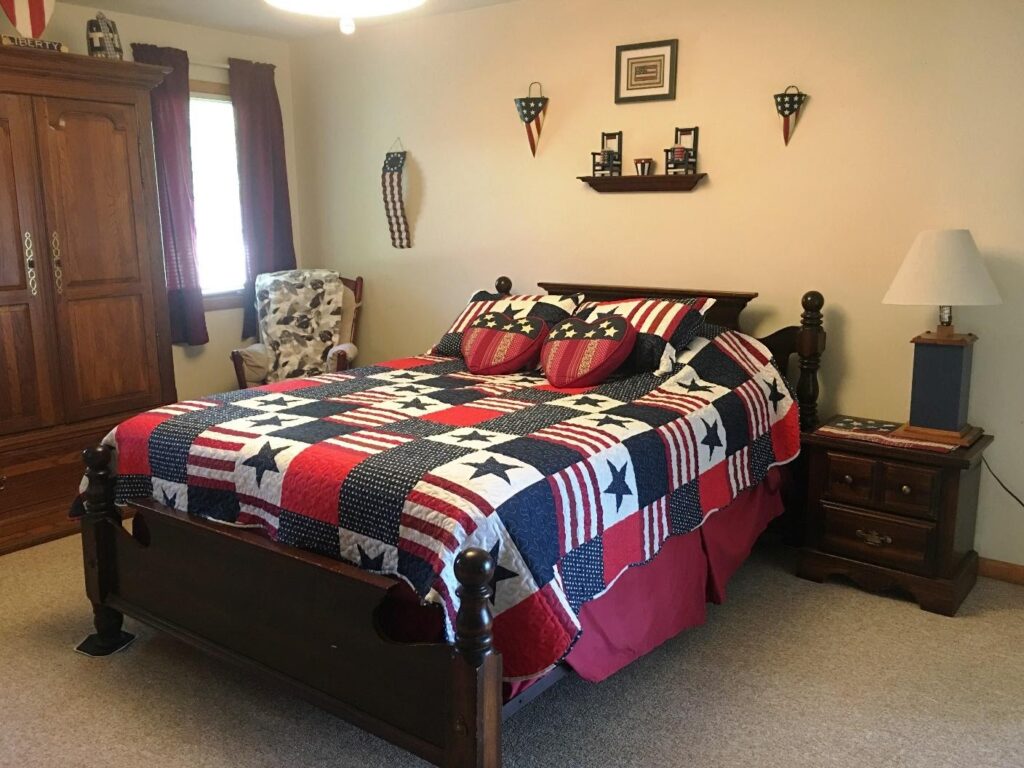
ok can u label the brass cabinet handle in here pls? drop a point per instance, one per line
(873, 538)
(30, 264)
(58, 269)
(848, 479)
(906, 490)
(3, 482)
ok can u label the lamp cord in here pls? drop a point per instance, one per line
(1002, 485)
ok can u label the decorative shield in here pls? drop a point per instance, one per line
(29, 17)
(532, 110)
(788, 105)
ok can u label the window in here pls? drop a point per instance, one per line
(220, 249)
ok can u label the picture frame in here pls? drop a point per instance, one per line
(646, 71)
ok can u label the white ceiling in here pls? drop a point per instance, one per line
(255, 17)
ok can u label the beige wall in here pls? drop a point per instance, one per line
(197, 370)
(915, 121)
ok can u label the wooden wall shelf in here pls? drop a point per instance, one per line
(659, 183)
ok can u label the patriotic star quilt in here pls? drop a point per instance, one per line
(398, 467)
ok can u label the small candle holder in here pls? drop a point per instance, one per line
(644, 166)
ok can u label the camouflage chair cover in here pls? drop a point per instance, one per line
(300, 321)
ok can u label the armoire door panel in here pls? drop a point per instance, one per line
(19, 395)
(12, 273)
(93, 159)
(113, 330)
(98, 245)
(29, 392)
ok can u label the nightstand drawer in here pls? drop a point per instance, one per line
(907, 545)
(910, 490)
(849, 478)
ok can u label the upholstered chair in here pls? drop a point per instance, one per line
(307, 321)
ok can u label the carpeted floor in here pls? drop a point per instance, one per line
(787, 673)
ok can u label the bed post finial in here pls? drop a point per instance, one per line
(99, 527)
(503, 285)
(99, 493)
(809, 347)
(474, 568)
(473, 739)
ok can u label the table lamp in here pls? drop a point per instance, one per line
(943, 269)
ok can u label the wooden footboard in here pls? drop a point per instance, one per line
(307, 621)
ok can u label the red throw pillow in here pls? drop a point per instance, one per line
(581, 354)
(496, 343)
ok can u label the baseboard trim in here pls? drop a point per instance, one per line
(1001, 571)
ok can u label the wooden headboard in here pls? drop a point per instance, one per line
(806, 340)
(725, 311)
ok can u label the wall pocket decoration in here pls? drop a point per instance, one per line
(394, 204)
(533, 111)
(646, 71)
(788, 104)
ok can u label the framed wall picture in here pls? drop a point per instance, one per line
(646, 71)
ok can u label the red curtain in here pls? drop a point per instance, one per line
(263, 176)
(171, 135)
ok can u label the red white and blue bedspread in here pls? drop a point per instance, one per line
(398, 467)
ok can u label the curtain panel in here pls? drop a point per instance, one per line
(262, 175)
(172, 139)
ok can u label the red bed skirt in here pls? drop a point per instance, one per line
(648, 604)
(655, 602)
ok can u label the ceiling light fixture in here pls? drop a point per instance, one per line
(346, 11)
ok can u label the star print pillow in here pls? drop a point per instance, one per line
(582, 354)
(662, 327)
(551, 308)
(496, 343)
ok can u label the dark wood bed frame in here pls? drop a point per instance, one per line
(314, 623)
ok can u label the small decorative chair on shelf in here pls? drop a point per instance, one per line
(307, 322)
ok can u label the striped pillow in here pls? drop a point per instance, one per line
(551, 308)
(662, 326)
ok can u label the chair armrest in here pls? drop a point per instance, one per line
(341, 357)
(252, 365)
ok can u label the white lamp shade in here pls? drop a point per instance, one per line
(943, 268)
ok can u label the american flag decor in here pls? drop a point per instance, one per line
(29, 17)
(394, 205)
(532, 111)
(788, 105)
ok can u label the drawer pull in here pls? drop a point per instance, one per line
(906, 490)
(3, 482)
(873, 538)
(848, 479)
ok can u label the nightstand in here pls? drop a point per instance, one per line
(892, 517)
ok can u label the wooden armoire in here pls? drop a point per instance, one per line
(84, 335)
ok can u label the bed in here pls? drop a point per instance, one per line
(424, 634)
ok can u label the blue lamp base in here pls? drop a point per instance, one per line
(941, 388)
